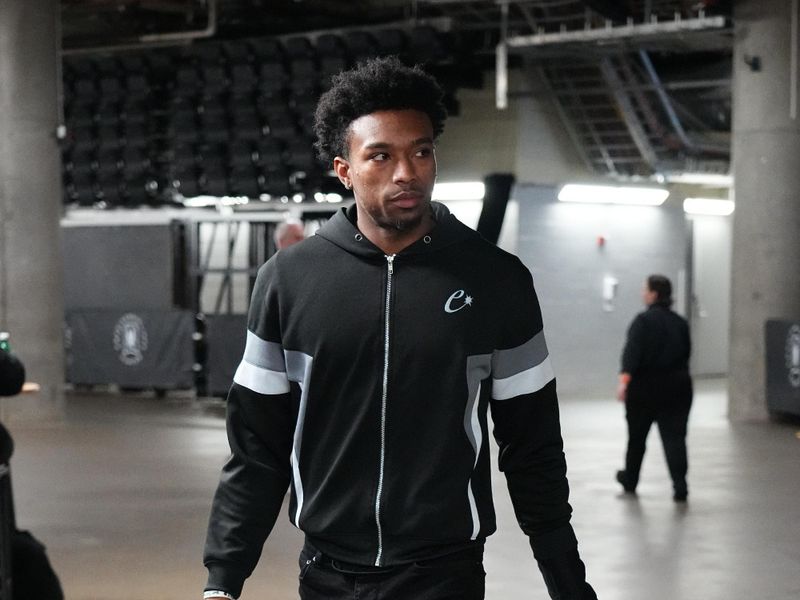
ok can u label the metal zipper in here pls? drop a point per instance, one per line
(387, 322)
(309, 563)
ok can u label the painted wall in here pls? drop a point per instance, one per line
(545, 152)
(481, 140)
(559, 244)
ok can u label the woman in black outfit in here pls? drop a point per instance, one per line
(656, 386)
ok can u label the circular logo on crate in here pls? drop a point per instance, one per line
(130, 339)
(793, 355)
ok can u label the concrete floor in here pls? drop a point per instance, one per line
(118, 488)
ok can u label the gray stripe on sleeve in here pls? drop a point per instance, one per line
(478, 369)
(297, 364)
(298, 370)
(264, 354)
(506, 363)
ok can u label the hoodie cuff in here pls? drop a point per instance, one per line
(565, 577)
(225, 577)
(554, 543)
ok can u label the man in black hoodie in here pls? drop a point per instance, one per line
(374, 351)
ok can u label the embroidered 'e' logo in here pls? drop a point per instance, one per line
(457, 295)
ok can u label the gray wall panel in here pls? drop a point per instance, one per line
(125, 267)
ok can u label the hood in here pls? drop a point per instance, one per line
(341, 230)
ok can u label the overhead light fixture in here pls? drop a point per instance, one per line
(612, 194)
(206, 201)
(711, 179)
(708, 206)
(459, 190)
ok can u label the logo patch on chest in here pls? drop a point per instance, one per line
(458, 300)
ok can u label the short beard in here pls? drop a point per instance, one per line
(403, 225)
(410, 223)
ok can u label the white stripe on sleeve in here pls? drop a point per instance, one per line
(260, 380)
(526, 382)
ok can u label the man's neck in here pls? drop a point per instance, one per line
(392, 241)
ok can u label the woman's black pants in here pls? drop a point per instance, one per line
(664, 398)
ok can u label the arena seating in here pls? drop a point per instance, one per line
(230, 117)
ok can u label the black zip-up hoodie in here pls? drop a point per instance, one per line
(365, 385)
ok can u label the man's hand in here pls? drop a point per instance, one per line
(622, 386)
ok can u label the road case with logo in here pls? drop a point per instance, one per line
(783, 366)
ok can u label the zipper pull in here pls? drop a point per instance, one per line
(309, 564)
(390, 260)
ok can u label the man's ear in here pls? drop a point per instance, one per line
(342, 169)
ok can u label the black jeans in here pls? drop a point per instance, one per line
(458, 576)
(663, 398)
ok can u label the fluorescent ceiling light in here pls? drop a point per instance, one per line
(204, 201)
(460, 190)
(612, 194)
(712, 179)
(708, 206)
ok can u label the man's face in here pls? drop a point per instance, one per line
(391, 167)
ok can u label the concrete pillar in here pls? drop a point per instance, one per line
(31, 305)
(765, 280)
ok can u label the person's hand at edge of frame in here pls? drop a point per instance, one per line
(622, 386)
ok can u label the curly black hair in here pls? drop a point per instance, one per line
(376, 84)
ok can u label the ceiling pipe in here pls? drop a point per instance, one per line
(793, 60)
(665, 101)
(501, 61)
(675, 121)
